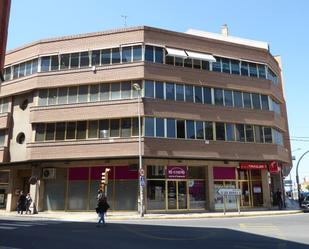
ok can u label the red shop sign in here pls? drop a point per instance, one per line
(273, 167)
(176, 172)
(253, 166)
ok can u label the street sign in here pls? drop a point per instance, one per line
(229, 191)
(142, 181)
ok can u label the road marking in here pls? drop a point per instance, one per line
(7, 228)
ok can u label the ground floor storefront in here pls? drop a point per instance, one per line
(169, 185)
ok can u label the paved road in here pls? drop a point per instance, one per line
(275, 232)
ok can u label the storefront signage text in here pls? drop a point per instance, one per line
(253, 166)
(176, 172)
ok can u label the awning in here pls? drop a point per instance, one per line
(200, 56)
(176, 52)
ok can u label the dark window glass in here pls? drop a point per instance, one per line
(126, 54)
(188, 63)
(104, 128)
(84, 59)
(180, 92)
(93, 129)
(170, 91)
(126, 90)
(60, 131)
(137, 53)
(197, 64)
(135, 126)
(35, 66)
(158, 55)
(230, 135)
(81, 130)
(258, 132)
(267, 135)
(170, 60)
(207, 95)
(178, 61)
(180, 128)
(226, 65)
(198, 94)
(216, 66)
(209, 131)
(247, 100)
(149, 126)
(104, 92)
(265, 104)
(52, 96)
(70, 130)
(22, 68)
(43, 97)
(220, 131)
(199, 130)
(115, 91)
(72, 95)
(159, 127)
(50, 132)
(95, 58)
(63, 95)
(39, 132)
(159, 90)
(205, 65)
(82, 94)
(64, 61)
(262, 71)
(244, 68)
(126, 127)
(149, 53)
(235, 67)
(115, 127)
(256, 101)
(190, 131)
(55, 62)
(253, 70)
(171, 133)
(136, 92)
(94, 93)
(189, 93)
(45, 64)
(249, 133)
(149, 88)
(240, 132)
(115, 55)
(106, 56)
(15, 71)
(218, 96)
(237, 99)
(7, 73)
(74, 60)
(228, 98)
(28, 67)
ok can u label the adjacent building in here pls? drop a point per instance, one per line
(213, 116)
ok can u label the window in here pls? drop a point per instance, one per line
(7, 73)
(262, 71)
(115, 91)
(265, 104)
(228, 98)
(197, 64)
(230, 134)
(158, 55)
(170, 91)
(125, 127)
(216, 66)
(64, 61)
(190, 131)
(276, 107)
(205, 65)
(235, 67)
(126, 54)
(70, 130)
(74, 60)
(50, 132)
(180, 128)
(199, 130)
(104, 128)
(149, 88)
(256, 101)
(189, 93)
(218, 96)
(247, 100)
(106, 56)
(170, 60)
(81, 130)
(45, 64)
(15, 71)
(170, 129)
(115, 55)
(240, 132)
(39, 132)
(237, 99)
(149, 126)
(93, 129)
(135, 126)
(253, 70)
(62, 95)
(72, 95)
(42, 97)
(249, 133)
(178, 61)
(115, 127)
(180, 92)
(137, 53)
(104, 91)
(244, 68)
(160, 127)
(28, 67)
(209, 131)
(60, 131)
(82, 94)
(54, 62)
(84, 59)
(226, 65)
(149, 53)
(52, 96)
(207, 95)
(94, 93)
(22, 68)
(220, 131)
(198, 94)
(35, 66)
(188, 62)
(126, 90)
(95, 58)
(159, 90)
(268, 135)
(5, 105)
(258, 132)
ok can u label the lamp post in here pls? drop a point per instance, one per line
(297, 177)
(137, 87)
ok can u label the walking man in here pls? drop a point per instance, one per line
(101, 210)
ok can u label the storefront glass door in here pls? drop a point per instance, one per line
(176, 195)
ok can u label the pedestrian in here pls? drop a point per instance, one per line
(28, 203)
(99, 195)
(279, 198)
(101, 210)
(21, 204)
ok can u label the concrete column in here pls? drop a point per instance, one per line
(11, 202)
(266, 189)
(35, 190)
(210, 188)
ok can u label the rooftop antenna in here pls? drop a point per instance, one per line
(125, 20)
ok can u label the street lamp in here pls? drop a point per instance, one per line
(137, 87)
(297, 177)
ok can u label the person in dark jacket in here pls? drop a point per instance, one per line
(279, 199)
(21, 204)
(101, 210)
(28, 203)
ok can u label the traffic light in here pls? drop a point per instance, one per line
(104, 178)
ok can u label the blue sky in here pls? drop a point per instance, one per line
(283, 24)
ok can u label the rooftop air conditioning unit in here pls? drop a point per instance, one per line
(49, 173)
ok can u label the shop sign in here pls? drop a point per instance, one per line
(273, 167)
(253, 166)
(229, 191)
(176, 172)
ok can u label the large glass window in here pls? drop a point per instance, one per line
(197, 64)
(228, 98)
(220, 131)
(170, 129)
(160, 127)
(45, 64)
(158, 55)
(126, 90)
(62, 95)
(235, 66)
(267, 135)
(199, 130)
(237, 99)
(125, 127)
(189, 93)
(178, 61)
(74, 60)
(205, 65)
(28, 67)
(170, 91)
(52, 96)
(216, 66)
(50, 132)
(249, 133)
(64, 61)
(84, 59)
(82, 94)
(262, 71)
(126, 54)
(39, 132)
(135, 126)
(159, 90)
(106, 56)
(169, 60)
(115, 91)
(265, 104)
(209, 134)
(253, 70)
(95, 58)
(55, 62)
(104, 128)
(218, 96)
(230, 134)
(149, 126)
(197, 194)
(7, 73)
(70, 130)
(15, 71)
(190, 131)
(137, 53)
(180, 92)
(258, 132)
(256, 101)
(22, 68)
(155, 195)
(72, 95)
(115, 55)
(149, 53)
(226, 65)
(244, 68)
(94, 93)
(81, 130)
(115, 127)
(198, 94)
(247, 100)
(149, 88)
(180, 128)
(42, 97)
(35, 66)
(93, 129)
(104, 92)
(240, 132)
(207, 95)
(188, 62)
